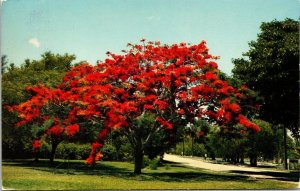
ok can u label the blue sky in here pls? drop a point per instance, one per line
(89, 28)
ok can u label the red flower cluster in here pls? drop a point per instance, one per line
(102, 134)
(71, 130)
(95, 154)
(36, 145)
(245, 122)
(161, 104)
(150, 107)
(56, 131)
(164, 123)
(210, 76)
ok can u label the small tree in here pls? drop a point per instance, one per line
(48, 117)
(17, 141)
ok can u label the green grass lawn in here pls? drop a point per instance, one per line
(75, 175)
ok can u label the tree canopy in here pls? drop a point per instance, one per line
(271, 67)
(49, 71)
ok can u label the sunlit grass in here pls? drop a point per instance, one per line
(75, 175)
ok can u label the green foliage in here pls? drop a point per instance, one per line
(72, 151)
(147, 120)
(45, 150)
(167, 166)
(125, 152)
(231, 147)
(4, 63)
(153, 164)
(146, 161)
(88, 133)
(189, 148)
(294, 153)
(263, 141)
(83, 151)
(122, 146)
(109, 152)
(49, 70)
(157, 142)
(294, 165)
(271, 67)
(38, 131)
(234, 147)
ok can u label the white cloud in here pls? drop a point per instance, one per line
(35, 42)
(153, 18)
(150, 18)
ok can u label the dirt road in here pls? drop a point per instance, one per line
(255, 172)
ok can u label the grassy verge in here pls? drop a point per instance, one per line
(75, 175)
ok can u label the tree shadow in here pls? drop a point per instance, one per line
(70, 167)
(103, 169)
(241, 164)
(201, 176)
(283, 176)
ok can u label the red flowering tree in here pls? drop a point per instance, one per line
(175, 85)
(48, 116)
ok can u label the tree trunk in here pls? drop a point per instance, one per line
(138, 158)
(213, 156)
(238, 157)
(53, 149)
(192, 146)
(285, 148)
(253, 153)
(36, 157)
(253, 161)
(242, 160)
(183, 146)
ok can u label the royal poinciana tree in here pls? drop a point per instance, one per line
(174, 85)
(48, 116)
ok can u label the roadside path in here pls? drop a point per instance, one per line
(256, 172)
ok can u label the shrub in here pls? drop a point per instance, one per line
(109, 152)
(146, 161)
(125, 152)
(45, 150)
(154, 163)
(83, 151)
(72, 151)
(167, 166)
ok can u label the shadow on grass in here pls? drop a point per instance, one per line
(283, 176)
(180, 174)
(242, 164)
(69, 167)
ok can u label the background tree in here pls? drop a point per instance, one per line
(235, 146)
(272, 69)
(4, 63)
(16, 142)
